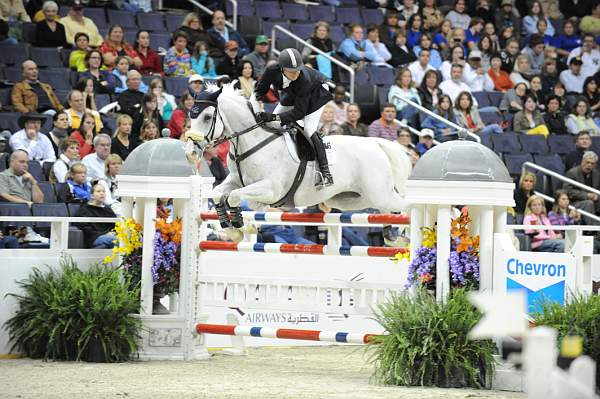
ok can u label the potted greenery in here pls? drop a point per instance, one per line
(69, 314)
(426, 342)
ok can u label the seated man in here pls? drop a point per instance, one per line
(35, 144)
(78, 109)
(31, 95)
(131, 100)
(356, 49)
(221, 34)
(17, 185)
(95, 162)
(75, 22)
(587, 174)
(385, 127)
(97, 235)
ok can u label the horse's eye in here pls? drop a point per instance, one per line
(207, 118)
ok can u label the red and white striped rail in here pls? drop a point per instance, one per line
(284, 333)
(312, 249)
(318, 218)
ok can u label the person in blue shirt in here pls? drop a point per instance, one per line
(425, 141)
(472, 34)
(435, 59)
(202, 64)
(221, 34)
(440, 40)
(530, 21)
(542, 27)
(442, 131)
(413, 30)
(356, 48)
(567, 41)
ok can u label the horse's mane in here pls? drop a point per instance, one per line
(230, 91)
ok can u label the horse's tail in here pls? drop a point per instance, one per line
(401, 165)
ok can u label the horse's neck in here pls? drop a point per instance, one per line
(253, 137)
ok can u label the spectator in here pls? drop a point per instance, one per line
(195, 85)
(77, 189)
(580, 119)
(17, 185)
(429, 91)
(385, 127)
(590, 56)
(97, 235)
(85, 134)
(473, 32)
(592, 95)
(407, 9)
(549, 76)
(13, 10)
(572, 78)
(487, 48)
(432, 16)
(77, 56)
(414, 28)
(468, 116)
(522, 71)
(59, 132)
(179, 115)
(192, 27)
(77, 110)
(542, 240)
(7, 242)
(356, 49)
(401, 54)
(352, 126)
(260, 56)
(148, 112)
(31, 95)
(561, 215)
(404, 88)
(535, 53)
(420, 66)
(457, 56)
(505, 17)
(178, 60)
(435, 59)
(585, 173)
(86, 87)
(484, 12)
(149, 131)
(425, 141)
(69, 149)
(202, 64)
(231, 63)
(442, 132)
(166, 102)
(524, 190)
(572, 8)
(122, 144)
(500, 78)
(380, 48)
(554, 117)
(567, 41)
(338, 105)
(457, 16)
(120, 73)
(221, 34)
(583, 143)
(509, 55)
(530, 21)
(529, 120)
(75, 22)
(113, 164)
(187, 124)
(4, 34)
(454, 86)
(474, 74)
(512, 101)
(490, 31)
(388, 30)
(131, 100)
(590, 24)
(536, 91)
(29, 139)
(327, 124)
(104, 81)
(95, 161)
(542, 28)
(49, 32)
(115, 46)
(151, 65)
(442, 38)
(405, 139)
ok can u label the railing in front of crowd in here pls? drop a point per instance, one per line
(211, 12)
(313, 48)
(580, 211)
(558, 176)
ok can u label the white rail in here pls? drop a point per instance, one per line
(558, 176)
(580, 211)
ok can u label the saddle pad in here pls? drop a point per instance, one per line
(329, 149)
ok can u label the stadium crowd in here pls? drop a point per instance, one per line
(81, 87)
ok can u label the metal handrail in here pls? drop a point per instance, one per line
(558, 176)
(460, 129)
(580, 211)
(235, 13)
(310, 46)
(211, 12)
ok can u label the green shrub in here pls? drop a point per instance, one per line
(580, 316)
(73, 314)
(426, 343)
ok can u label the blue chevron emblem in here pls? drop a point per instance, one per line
(554, 292)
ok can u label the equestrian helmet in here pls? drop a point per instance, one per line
(290, 59)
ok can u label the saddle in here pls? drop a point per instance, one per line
(304, 148)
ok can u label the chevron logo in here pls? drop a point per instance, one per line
(554, 292)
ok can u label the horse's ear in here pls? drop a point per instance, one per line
(214, 95)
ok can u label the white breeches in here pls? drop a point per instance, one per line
(310, 122)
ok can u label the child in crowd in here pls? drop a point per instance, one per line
(542, 240)
(202, 64)
(77, 56)
(561, 214)
(425, 141)
(79, 188)
(97, 235)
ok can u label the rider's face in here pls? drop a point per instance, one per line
(291, 75)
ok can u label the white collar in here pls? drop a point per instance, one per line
(286, 81)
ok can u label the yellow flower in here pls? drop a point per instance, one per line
(400, 256)
(429, 237)
(108, 260)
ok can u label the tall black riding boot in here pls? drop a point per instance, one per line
(326, 178)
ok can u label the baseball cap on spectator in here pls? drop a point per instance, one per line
(576, 60)
(475, 54)
(426, 133)
(195, 78)
(76, 5)
(231, 45)
(261, 39)
(506, 3)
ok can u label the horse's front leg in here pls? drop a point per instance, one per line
(262, 192)
(220, 195)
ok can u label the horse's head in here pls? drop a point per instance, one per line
(206, 126)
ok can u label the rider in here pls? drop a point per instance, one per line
(303, 94)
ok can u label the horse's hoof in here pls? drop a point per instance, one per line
(399, 242)
(234, 235)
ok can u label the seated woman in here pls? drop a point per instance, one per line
(104, 81)
(560, 214)
(180, 115)
(468, 116)
(404, 88)
(192, 27)
(441, 130)
(579, 119)
(166, 102)
(151, 65)
(321, 39)
(97, 235)
(85, 134)
(542, 240)
(530, 120)
(512, 101)
(86, 87)
(435, 59)
(77, 56)
(148, 131)
(405, 139)
(327, 125)
(501, 79)
(69, 155)
(49, 32)
(429, 91)
(521, 72)
(202, 64)
(402, 55)
(245, 79)
(457, 56)
(122, 142)
(115, 46)
(352, 126)
(112, 167)
(523, 191)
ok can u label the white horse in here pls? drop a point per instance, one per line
(368, 172)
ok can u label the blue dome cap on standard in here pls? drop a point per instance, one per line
(160, 157)
(461, 161)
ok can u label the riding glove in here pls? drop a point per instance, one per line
(262, 117)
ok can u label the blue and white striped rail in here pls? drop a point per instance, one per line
(318, 218)
(284, 333)
(311, 249)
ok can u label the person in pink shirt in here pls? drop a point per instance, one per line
(542, 240)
